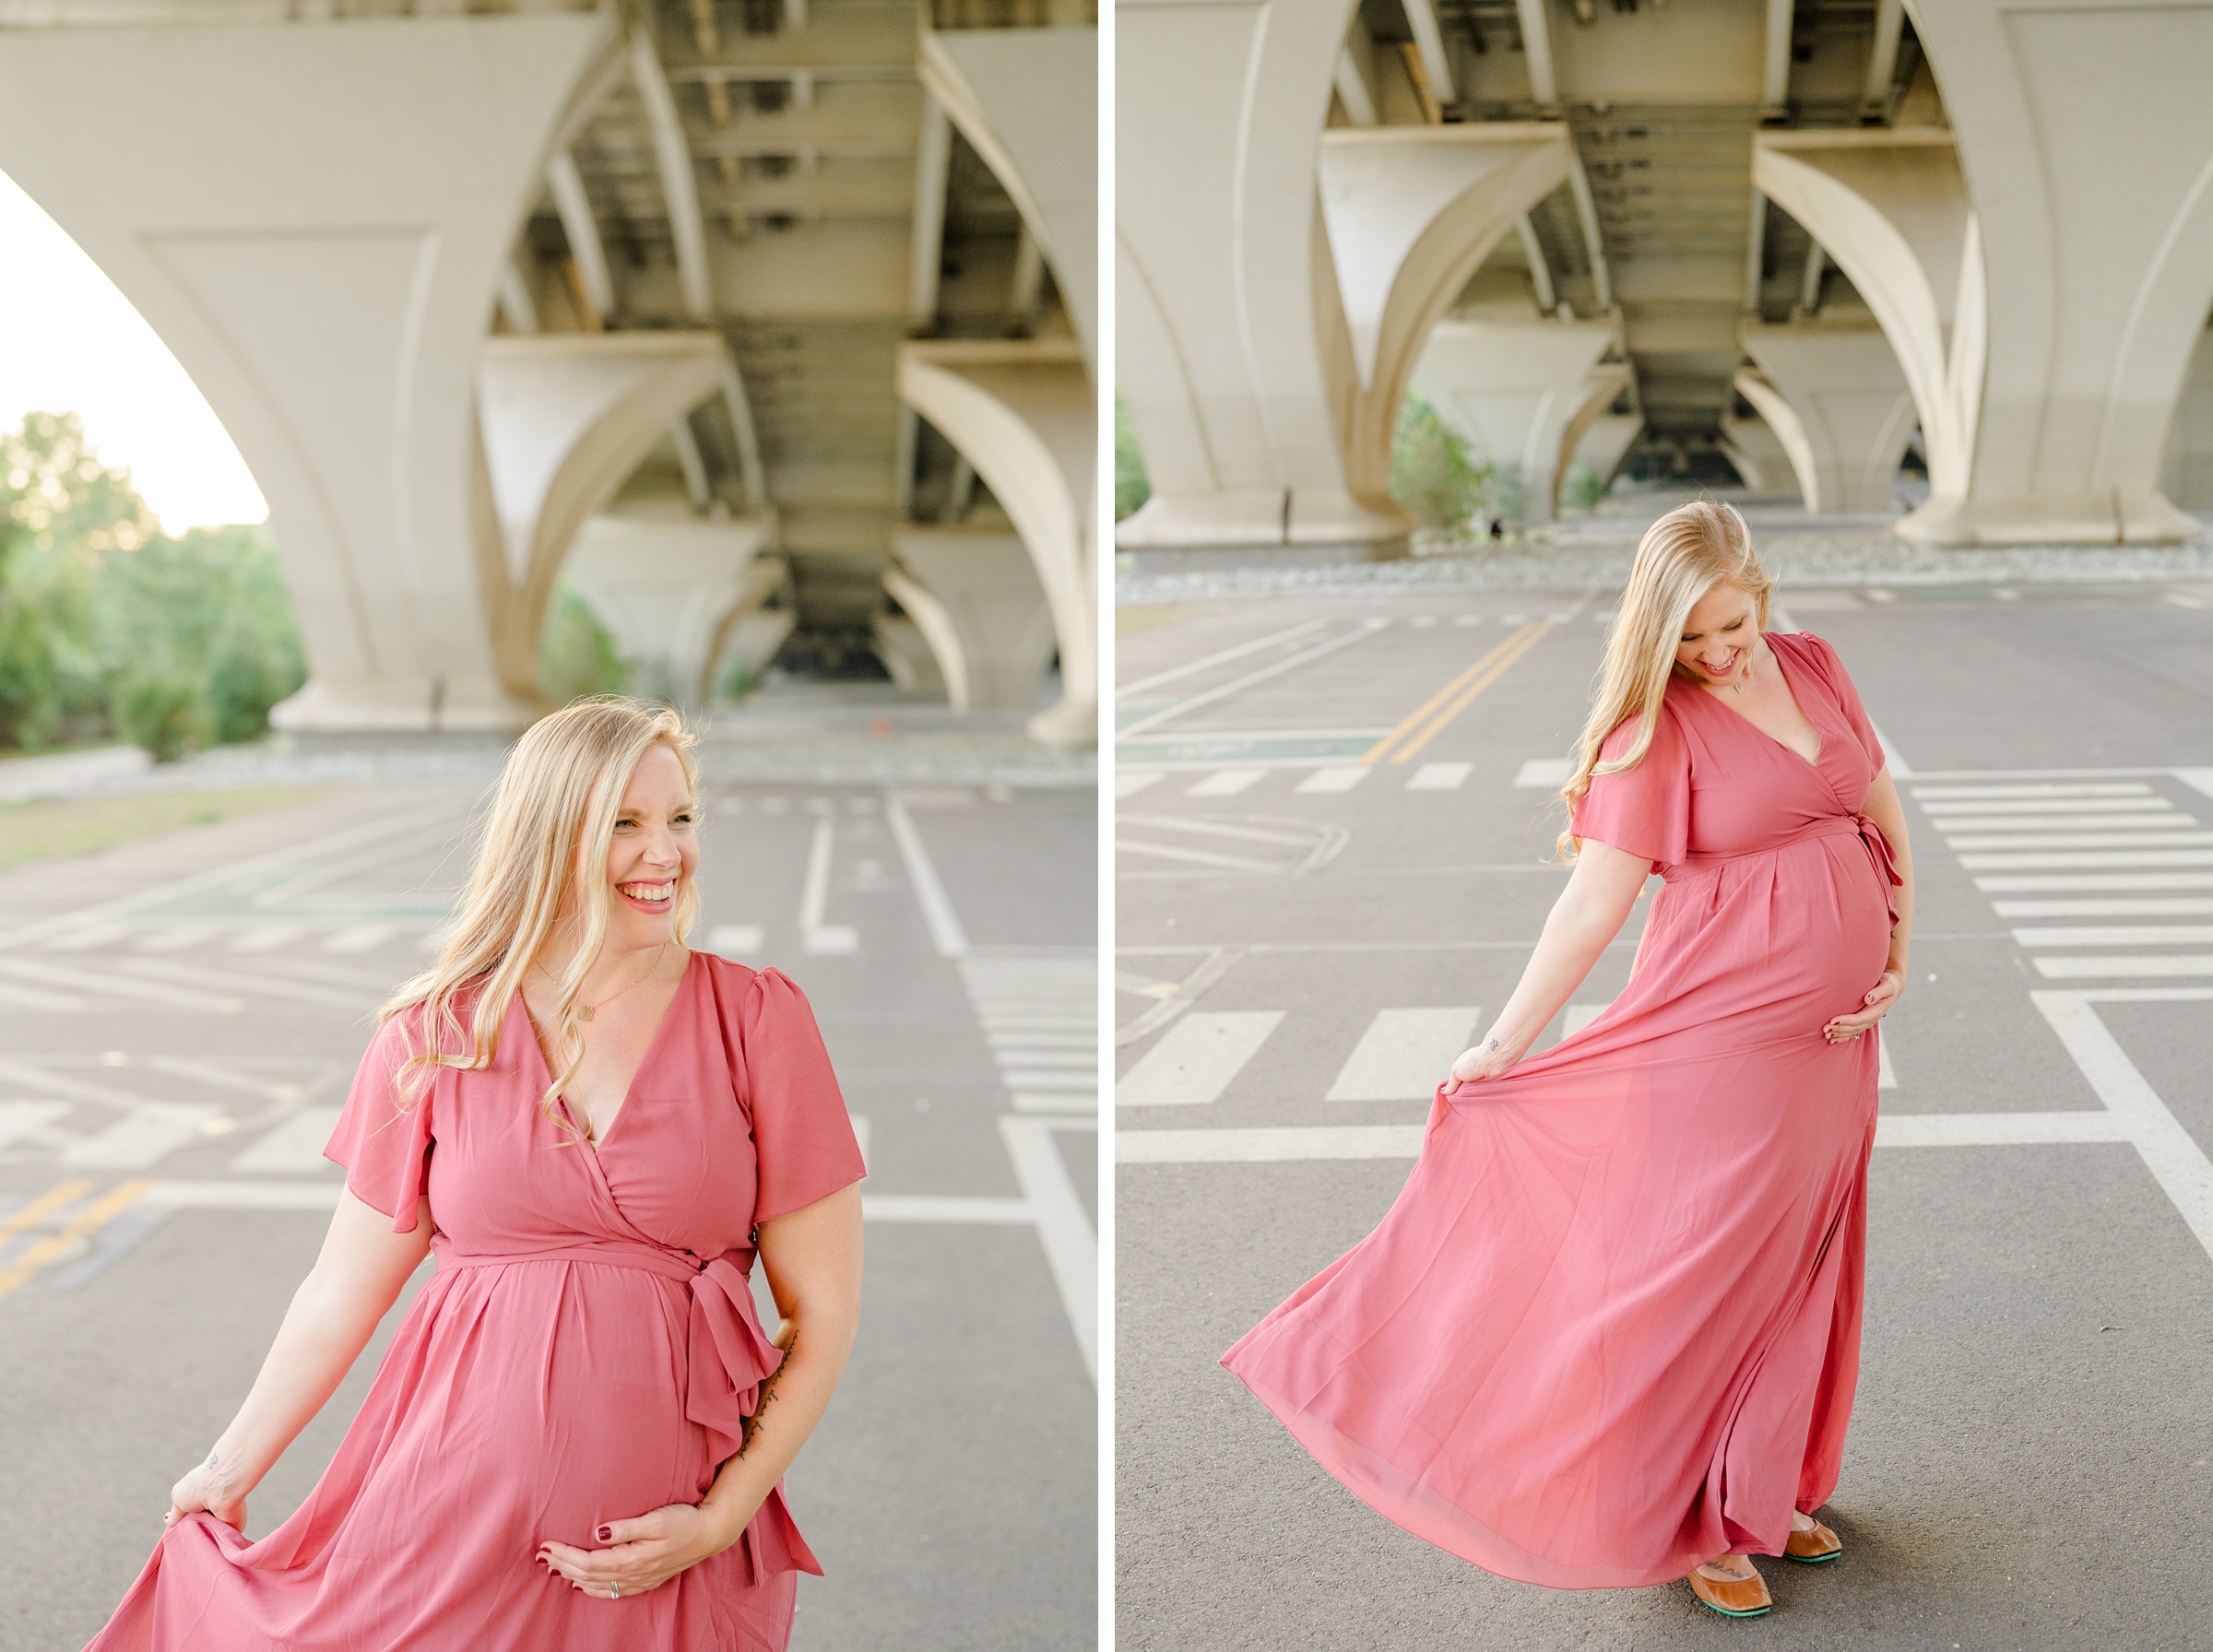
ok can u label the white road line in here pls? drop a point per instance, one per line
(815, 935)
(1342, 779)
(1544, 773)
(2047, 789)
(1943, 812)
(1404, 1055)
(2146, 906)
(1886, 1076)
(2086, 969)
(300, 992)
(1953, 826)
(1222, 657)
(2109, 880)
(1581, 1016)
(1128, 782)
(1360, 633)
(2087, 859)
(2117, 935)
(358, 938)
(149, 1132)
(30, 998)
(946, 931)
(738, 941)
(940, 1207)
(1197, 858)
(2198, 780)
(176, 937)
(89, 939)
(265, 937)
(1071, 1249)
(19, 1119)
(295, 1145)
(1197, 1058)
(2169, 1151)
(54, 975)
(2157, 841)
(1225, 783)
(1441, 777)
(1994, 1129)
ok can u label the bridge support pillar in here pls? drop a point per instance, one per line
(668, 588)
(974, 596)
(1513, 386)
(1840, 383)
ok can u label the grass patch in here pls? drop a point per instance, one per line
(53, 827)
(1151, 616)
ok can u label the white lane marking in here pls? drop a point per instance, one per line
(360, 937)
(1943, 812)
(1197, 857)
(323, 1196)
(2198, 780)
(1953, 827)
(1360, 633)
(2144, 906)
(2105, 881)
(54, 975)
(1581, 1016)
(2086, 859)
(1071, 1249)
(176, 938)
(265, 937)
(1467, 618)
(2104, 789)
(295, 1145)
(1422, 621)
(1886, 1076)
(1276, 1144)
(148, 1132)
(1197, 1058)
(1225, 783)
(2169, 1151)
(1128, 782)
(739, 941)
(940, 1208)
(2080, 968)
(271, 986)
(88, 938)
(1546, 773)
(1342, 779)
(1404, 1055)
(1084, 1082)
(1441, 777)
(1038, 1008)
(30, 998)
(816, 935)
(2158, 841)
(19, 1119)
(2117, 935)
(946, 931)
(1056, 1102)
(860, 1121)
(1221, 657)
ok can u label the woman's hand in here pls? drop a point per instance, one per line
(1487, 1060)
(642, 1555)
(206, 1489)
(1845, 1027)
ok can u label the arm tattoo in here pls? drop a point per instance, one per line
(761, 1401)
(210, 1462)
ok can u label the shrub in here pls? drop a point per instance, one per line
(1131, 487)
(1584, 486)
(577, 655)
(1433, 473)
(164, 712)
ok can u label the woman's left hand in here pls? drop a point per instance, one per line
(642, 1555)
(1845, 1027)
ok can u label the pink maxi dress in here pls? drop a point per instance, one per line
(1610, 1328)
(588, 1349)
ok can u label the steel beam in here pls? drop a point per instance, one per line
(680, 185)
(583, 232)
(1429, 41)
(1536, 51)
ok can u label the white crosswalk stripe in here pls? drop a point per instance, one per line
(295, 1145)
(2116, 935)
(2158, 841)
(2101, 880)
(1439, 777)
(149, 1132)
(2170, 820)
(1038, 1008)
(1225, 783)
(1343, 778)
(2150, 964)
(1196, 1058)
(1943, 811)
(20, 1119)
(1547, 773)
(1404, 1055)
(2176, 906)
(1128, 782)
(2088, 858)
(2131, 788)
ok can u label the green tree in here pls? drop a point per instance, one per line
(1131, 487)
(1433, 473)
(575, 654)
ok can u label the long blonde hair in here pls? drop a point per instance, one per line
(551, 821)
(1684, 555)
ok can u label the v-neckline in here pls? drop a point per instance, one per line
(653, 1046)
(1783, 670)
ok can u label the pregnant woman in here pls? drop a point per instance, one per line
(1608, 1335)
(577, 1436)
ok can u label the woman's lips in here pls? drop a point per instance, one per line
(656, 895)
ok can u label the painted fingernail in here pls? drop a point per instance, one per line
(606, 1532)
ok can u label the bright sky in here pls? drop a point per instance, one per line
(71, 343)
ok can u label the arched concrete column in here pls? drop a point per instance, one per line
(1024, 413)
(2085, 137)
(976, 598)
(1223, 279)
(1411, 213)
(666, 587)
(1891, 208)
(1511, 386)
(1761, 458)
(314, 216)
(1027, 100)
(2187, 475)
(566, 417)
(1842, 382)
(1595, 437)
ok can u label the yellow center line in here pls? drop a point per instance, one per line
(1414, 718)
(1520, 643)
(86, 1223)
(45, 1205)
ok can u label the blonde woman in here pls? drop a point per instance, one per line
(577, 1436)
(1608, 1335)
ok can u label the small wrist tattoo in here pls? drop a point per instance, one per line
(1494, 1043)
(211, 1459)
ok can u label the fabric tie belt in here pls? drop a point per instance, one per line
(1848, 825)
(728, 1359)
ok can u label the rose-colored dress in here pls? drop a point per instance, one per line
(586, 1349)
(1610, 1328)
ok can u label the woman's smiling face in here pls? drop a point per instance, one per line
(654, 850)
(1720, 636)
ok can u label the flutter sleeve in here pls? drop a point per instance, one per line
(1830, 665)
(1644, 810)
(383, 1144)
(802, 1138)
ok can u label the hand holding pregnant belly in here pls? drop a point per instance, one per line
(642, 1554)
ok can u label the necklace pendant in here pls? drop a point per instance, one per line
(584, 1012)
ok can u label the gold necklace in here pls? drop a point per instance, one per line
(586, 1012)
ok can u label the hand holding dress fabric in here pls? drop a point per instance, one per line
(205, 1490)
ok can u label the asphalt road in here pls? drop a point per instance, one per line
(1305, 939)
(179, 1019)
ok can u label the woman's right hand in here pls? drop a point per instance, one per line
(206, 1488)
(1487, 1060)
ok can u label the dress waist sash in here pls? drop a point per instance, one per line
(728, 1359)
(1850, 825)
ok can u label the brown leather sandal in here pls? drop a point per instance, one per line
(1814, 1547)
(1733, 1598)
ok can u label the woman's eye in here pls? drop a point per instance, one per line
(1733, 625)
